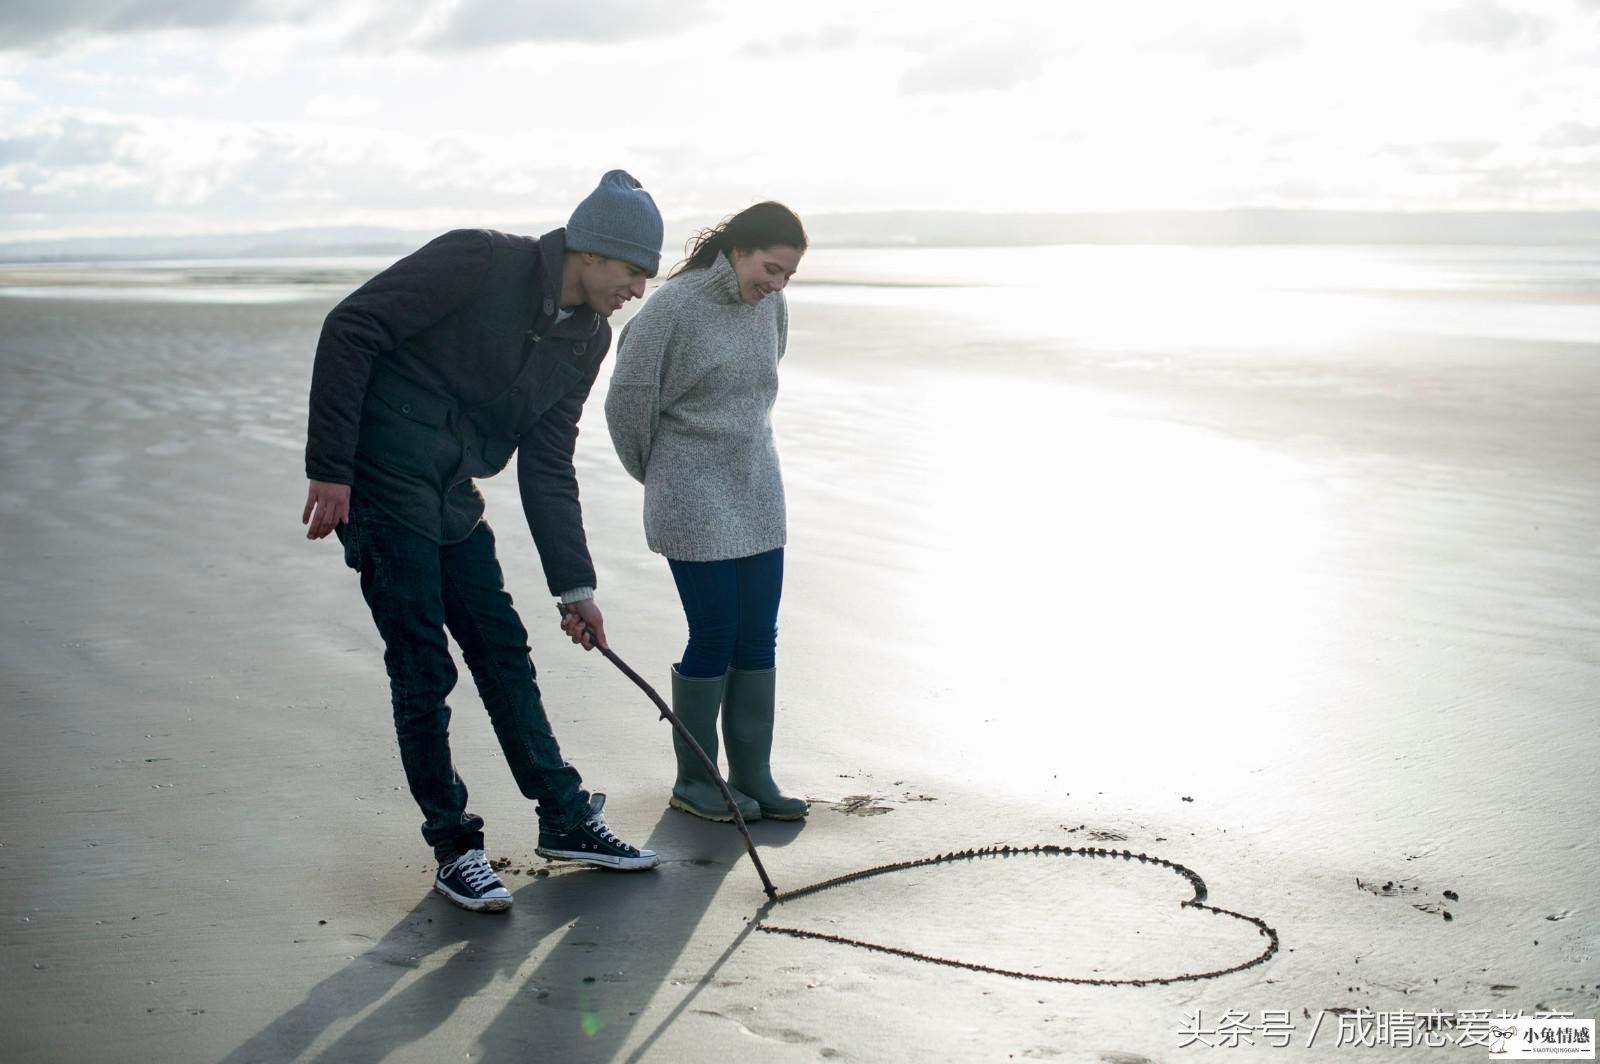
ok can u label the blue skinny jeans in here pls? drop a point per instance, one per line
(732, 609)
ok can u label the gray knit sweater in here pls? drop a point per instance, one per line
(695, 379)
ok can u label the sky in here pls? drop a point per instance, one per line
(211, 116)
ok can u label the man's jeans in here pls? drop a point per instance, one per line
(416, 589)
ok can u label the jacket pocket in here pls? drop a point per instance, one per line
(402, 424)
(552, 388)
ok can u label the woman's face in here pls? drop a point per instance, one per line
(762, 271)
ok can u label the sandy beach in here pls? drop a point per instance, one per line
(1308, 605)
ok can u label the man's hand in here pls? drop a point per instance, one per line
(583, 624)
(327, 507)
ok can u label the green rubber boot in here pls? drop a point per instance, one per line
(695, 702)
(747, 716)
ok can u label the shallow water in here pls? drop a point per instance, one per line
(1314, 561)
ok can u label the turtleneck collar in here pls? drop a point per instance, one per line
(722, 282)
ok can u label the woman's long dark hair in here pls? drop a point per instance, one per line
(764, 225)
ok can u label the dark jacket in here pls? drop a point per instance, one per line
(437, 369)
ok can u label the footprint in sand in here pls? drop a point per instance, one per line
(1099, 834)
(1388, 888)
(786, 1035)
(860, 805)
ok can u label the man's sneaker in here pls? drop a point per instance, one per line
(591, 842)
(471, 883)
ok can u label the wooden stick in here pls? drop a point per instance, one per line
(672, 718)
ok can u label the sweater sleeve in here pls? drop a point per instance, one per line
(633, 405)
(376, 318)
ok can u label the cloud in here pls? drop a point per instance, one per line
(93, 169)
(826, 39)
(1487, 23)
(82, 164)
(62, 142)
(1466, 151)
(1550, 183)
(1442, 153)
(1244, 46)
(31, 24)
(993, 66)
(1573, 134)
(491, 23)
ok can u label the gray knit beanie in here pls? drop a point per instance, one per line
(618, 220)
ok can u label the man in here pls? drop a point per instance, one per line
(431, 374)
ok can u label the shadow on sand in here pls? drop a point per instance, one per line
(617, 940)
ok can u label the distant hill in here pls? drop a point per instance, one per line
(916, 229)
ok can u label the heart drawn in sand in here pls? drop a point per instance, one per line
(989, 917)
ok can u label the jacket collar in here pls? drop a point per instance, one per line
(547, 295)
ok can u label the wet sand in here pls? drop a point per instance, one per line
(1322, 632)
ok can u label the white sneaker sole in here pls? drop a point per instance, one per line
(600, 860)
(477, 905)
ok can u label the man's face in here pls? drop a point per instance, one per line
(609, 283)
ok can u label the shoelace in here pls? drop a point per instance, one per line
(475, 870)
(597, 824)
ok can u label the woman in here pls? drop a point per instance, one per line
(695, 380)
